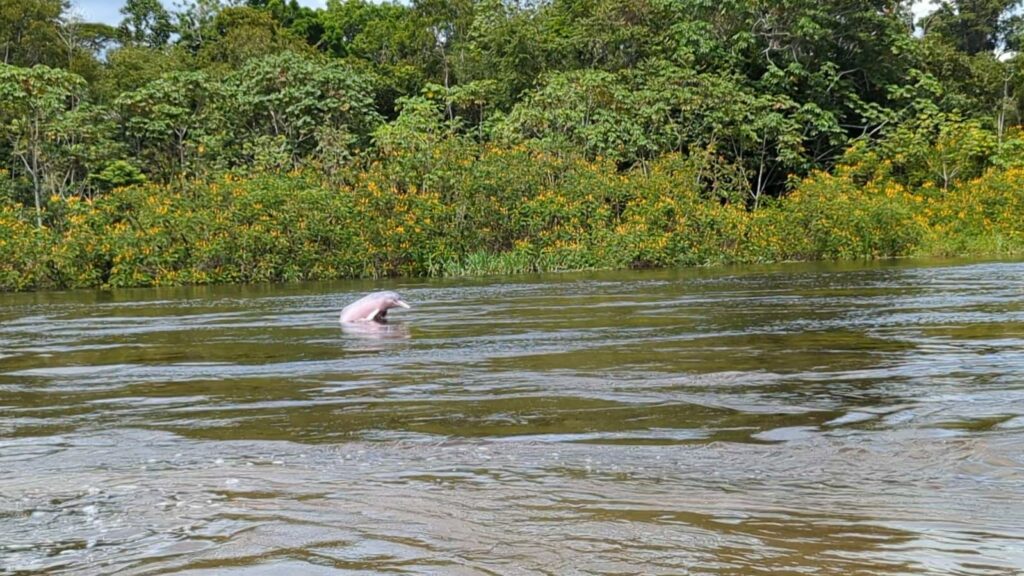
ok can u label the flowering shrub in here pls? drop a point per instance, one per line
(485, 210)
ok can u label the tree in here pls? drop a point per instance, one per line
(388, 40)
(637, 115)
(591, 111)
(168, 122)
(973, 26)
(302, 21)
(145, 23)
(448, 23)
(238, 34)
(129, 68)
(292, 98)
(29, 31)
(193, 21)
(39, 122)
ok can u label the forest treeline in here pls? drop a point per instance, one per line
(261, 141)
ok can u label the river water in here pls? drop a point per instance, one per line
(779, 420)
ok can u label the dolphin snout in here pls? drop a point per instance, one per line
(402, 304)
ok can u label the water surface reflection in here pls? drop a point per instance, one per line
(798, 419)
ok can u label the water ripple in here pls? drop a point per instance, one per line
(826, 419)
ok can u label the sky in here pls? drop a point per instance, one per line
(107, 10)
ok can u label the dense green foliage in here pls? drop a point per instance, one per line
(265, 141)
(500, 210)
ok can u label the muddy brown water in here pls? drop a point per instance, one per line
(860, 419)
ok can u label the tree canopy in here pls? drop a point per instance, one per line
(764, 91)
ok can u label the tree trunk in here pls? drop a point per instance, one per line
(33, 169)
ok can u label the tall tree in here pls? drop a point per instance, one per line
(304, 22)
(290, 102)
(168, 120)
(238, 34)
(145, 23)
(128, 68)
(193, 21)
(29, 31)
(973, 26)
(41, 122)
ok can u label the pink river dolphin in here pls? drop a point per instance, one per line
(372, 307)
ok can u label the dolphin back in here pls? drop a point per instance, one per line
(375, 304)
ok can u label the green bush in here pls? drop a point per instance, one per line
(486, 210)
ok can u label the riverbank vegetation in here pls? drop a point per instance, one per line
(268, 142)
